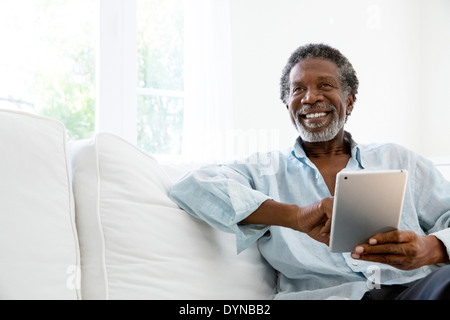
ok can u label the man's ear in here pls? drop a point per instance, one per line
(351, 98)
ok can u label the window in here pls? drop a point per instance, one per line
(123, 67)
(47, 60)
(49, 65)
(160, 101)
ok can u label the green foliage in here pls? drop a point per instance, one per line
(160, 66)
(70, 96)
(160, 44)
(61, 40)
(160, 124)
(64, 83)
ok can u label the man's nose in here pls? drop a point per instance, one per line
(312, 96)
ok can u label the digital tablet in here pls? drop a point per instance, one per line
(365, 203)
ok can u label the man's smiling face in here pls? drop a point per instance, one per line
(318, 106)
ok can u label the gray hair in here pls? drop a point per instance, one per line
(347, 74)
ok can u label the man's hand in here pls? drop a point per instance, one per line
(315, 220)
(402, 249)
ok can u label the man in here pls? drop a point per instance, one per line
(284, 200)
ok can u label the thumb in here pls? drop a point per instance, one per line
(327, 227)
(327, 206)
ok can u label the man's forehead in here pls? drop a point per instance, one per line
(316, 67)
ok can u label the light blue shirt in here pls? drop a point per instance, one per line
(224, 195)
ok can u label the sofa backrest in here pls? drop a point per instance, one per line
(137, 244)
(39, 257)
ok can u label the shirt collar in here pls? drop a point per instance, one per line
(299, 153)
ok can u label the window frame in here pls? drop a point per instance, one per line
(117, 69)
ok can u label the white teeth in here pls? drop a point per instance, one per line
(315, 115)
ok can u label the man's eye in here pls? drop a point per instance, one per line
(327, 85)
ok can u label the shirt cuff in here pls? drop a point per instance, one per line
(245, 201)
(247, 234)
(444, 236)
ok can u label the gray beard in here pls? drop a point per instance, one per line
(328, 134)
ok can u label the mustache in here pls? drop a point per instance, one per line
(307, 107)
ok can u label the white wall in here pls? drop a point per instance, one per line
(399, 49)
(435, 76)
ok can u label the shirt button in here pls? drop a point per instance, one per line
(355, 264)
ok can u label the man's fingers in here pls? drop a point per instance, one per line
(394, 236)
(327, 206)
(389, 243)
(365, 249)
(391, 259)
(327, 227)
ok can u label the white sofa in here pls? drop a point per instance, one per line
(91, 219)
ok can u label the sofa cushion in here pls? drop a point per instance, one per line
(137, 244)
(39, 256)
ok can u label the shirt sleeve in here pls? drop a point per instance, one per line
(222, 197)
(433, 198)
